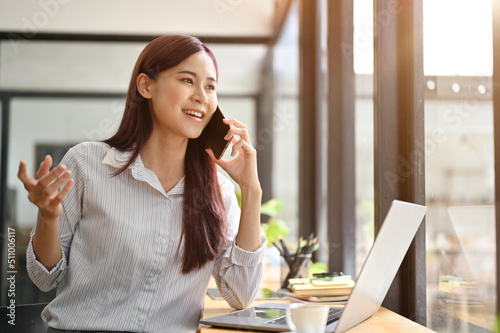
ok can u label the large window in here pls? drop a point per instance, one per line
(459, 166)
(285, 120)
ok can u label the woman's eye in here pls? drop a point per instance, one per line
(211, 87)
(190, 81)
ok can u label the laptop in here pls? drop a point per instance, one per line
(376, 276)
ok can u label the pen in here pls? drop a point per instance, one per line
(282, 252)
(296, 259)
(276, 246)
(310, 247)
(299, 247)
(286, 252)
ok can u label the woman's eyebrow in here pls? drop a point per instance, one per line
(209, 78)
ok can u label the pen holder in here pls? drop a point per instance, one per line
(294, 266)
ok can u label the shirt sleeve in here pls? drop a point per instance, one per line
(72, 209)
(237, 272)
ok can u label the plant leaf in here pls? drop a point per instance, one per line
(318, 267)
(271, 207)
(274, 229)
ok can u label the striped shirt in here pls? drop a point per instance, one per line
(120, 235)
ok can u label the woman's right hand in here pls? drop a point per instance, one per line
(44, 191)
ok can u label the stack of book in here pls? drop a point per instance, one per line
(456, 290)
(335, 290)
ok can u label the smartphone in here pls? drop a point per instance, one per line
(215, 131)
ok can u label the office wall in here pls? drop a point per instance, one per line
(98, 66)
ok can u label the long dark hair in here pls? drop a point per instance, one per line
(203, 218)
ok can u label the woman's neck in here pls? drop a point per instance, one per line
(165, 157)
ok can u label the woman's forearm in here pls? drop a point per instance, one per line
(249, 233)
(47, 241)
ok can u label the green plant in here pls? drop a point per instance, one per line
(275, 227)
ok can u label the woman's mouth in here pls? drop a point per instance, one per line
(196, 114)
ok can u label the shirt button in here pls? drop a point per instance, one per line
(163, 241)
(151, 280)
(140, 318)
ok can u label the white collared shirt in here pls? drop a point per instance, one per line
(120, 235)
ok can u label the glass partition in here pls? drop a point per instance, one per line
(459, 166)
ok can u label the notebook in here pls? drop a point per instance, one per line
(376, 276)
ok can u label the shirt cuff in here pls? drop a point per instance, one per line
(37, 266)
(246, 258)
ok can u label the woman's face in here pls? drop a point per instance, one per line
(183, 98)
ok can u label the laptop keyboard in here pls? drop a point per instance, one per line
(333, 315)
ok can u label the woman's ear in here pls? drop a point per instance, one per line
(144, 84)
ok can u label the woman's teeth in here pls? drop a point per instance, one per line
(193, 113)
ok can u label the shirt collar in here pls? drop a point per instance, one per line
(117, 159)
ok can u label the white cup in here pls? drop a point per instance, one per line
(307, 318)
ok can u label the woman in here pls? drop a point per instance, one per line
(129, 230)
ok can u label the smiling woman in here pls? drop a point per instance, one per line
(148, 205)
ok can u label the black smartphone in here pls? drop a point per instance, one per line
(215, 131)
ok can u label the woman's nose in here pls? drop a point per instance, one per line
(200, 96)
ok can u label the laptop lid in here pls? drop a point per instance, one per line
(383, 261)
(373, 282)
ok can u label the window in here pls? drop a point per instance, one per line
(458, 65)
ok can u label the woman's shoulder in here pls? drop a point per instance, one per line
(90, 147)
(88, 150)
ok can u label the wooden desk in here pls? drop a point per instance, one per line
(384, 321)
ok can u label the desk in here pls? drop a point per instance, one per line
(384, 321)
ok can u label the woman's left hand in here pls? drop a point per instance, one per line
(243, 168)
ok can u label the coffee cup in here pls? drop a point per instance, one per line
(307, 318)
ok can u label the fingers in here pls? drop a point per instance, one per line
(27, 180)
(48, 184)
(50, 189)
(237, 128)
(51, 176)
(55, 185)
(64, 191)
(44, 167)
(243, 145)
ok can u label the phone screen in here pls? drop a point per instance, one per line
(215, 131)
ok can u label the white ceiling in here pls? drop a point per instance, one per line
(239, 65)
(149, 17)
